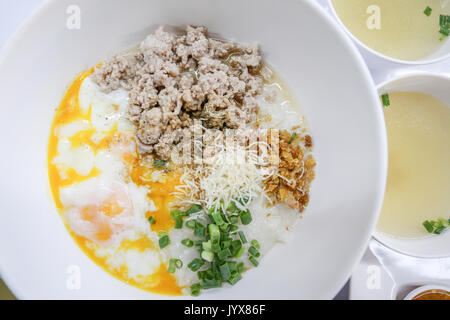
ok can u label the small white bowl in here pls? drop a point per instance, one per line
(377, 60)
(422, 289)
(432, 246)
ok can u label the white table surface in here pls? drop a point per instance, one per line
(369, 281)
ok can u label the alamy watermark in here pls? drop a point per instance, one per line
(73, 281)
(73, 21)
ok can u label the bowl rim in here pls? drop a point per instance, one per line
(381, 55)
(6, 51)
(380, 235)
(372, 219)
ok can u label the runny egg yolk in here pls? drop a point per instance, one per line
(160, 192)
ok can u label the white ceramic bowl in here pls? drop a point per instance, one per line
(316, 59)
(377, 60)
(433, 246)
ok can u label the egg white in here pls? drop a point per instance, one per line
(107, 113)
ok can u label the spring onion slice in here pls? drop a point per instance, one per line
(174, 264)
(195, 289)
(292, 137)
(164, 241)
(385, 100)
(253, 261)
(187, 242)
(159, 163)
(242, 236)
(255, 243)
(436, 227)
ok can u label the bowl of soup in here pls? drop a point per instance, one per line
(395, 33)
(415, 213)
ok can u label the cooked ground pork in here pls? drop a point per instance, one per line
(174, 79)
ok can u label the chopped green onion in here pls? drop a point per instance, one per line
(151, 220)
(236, 245)
(233, 266)
(239, 252)
(179, 223)
(215, 245)
(207, 255)
(207, 245)
(194, 209)
(176, 214)
(428, 11)
(164, 241)
(246, 217)
(385, 100)
(223, 254)
(174, 264)
(211, 283)
(233, 219)
(254, 252)
(242, 236)
(224, 227)
(196, 264)
(195, 290)
(214, 231)
(225, 271)
(199, 230)
(445, 31)
(429, 226)
(231, 207)
(439, 230)
(436, 227)
(226, 244)
(443, 21)
(253, 261)
(190, 224)
(292, 137)
(443, 222)
(178, 263)
(172, 267)
(187, 242)
(198, 243)
(217, 217)
(255, 243)
(244, 201)
(201, 274)
(159, 163)
(234, 278)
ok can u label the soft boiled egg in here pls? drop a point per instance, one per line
(105, 192)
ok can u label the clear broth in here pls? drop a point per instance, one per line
(405, 31)
(418, 186)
